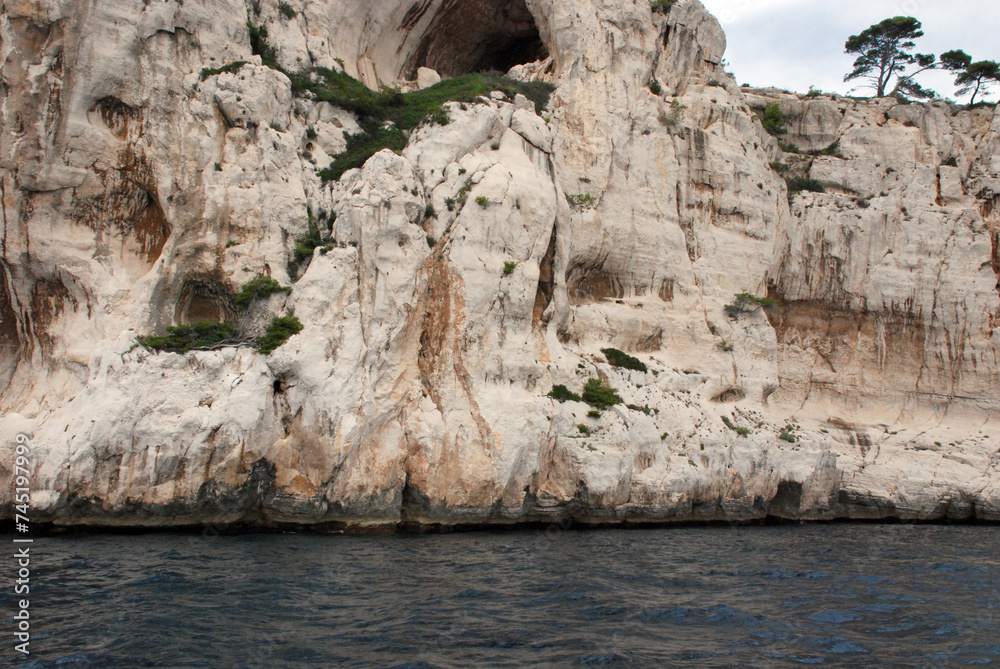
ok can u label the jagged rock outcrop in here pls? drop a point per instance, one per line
(144, 182)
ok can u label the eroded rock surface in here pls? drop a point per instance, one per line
(494, 258)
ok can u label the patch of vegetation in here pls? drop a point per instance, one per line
(462, 195)
(584, 430)
(742, 431)
(580, 200)
(832, 150)
(593, 413)
(386, 117)
(952, 161)
(789, 147)
(362, 146)
(788, 436)
(260, 47)
(483, 201)
(799, 184)
(600, 396)
(725, 346)
(773, 120)
(644, 409)
(286, 10)
(621, 359)
(440, 117)
(307, 243)
(509, 267)
(231, 243)
(655, 88)
(745, 301)
(430, 212)
(661, 6)
(258, 289)
(278, 332)
(780, 168)
(561, 393)
(232, 68)
(431, 242)
(203, 335)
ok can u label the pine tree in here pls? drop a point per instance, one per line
(883, 52)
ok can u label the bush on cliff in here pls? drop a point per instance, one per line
(278, 332)
(621, 359)
(561, 393)
(600, 396)
(258, 289)
(200, 336)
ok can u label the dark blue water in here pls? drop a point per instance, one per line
(838, 595)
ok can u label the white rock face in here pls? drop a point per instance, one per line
(144, 182)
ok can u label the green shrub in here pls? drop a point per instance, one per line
(207, 72)
(780, 168)
(644, 409)
(788, 147)
(561, 393)
(509, 267)
(258, 289)
(440, 117)
(231, 243)
(787, 436)
(278, 332)
(725, 345)
(260, 47)
(621, 359)
(773, 120)
(580, 200)
(743, 301)
(429, 212)
(483, 201)
(286, 10)
(593, 413)
(799, 184)
(832, 150)
(200, 335)
(584, 430)
(307, 243)
(655, 88)
(742, 431)
(362, 146)
(431, 242)
(600, 396)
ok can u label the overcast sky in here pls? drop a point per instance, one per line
(793, 44)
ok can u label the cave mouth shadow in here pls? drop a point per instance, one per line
(480, 36)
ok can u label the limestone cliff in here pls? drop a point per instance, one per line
(146, 179)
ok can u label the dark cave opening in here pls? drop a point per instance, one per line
(479, 36)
